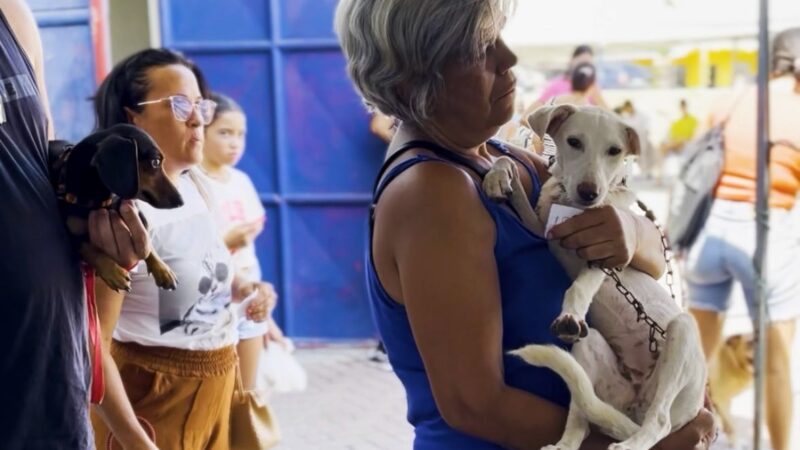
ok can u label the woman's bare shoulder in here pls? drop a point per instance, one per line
(433, 195)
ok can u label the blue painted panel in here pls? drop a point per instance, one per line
(327, 274)
(268, 247)
(246, 78)
(329, 146)
(215, 20)
(69, 73)
(316, 170)
(37, 5)
(307, 18)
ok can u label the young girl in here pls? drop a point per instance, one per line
(240, 214)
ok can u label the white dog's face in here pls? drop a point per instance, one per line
(593, 145)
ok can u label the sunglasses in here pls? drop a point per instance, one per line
(182, 107)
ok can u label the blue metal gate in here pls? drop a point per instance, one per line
(69, 62)
(309, 150)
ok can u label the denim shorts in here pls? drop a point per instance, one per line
(724, 253)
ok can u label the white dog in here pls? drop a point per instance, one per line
(617, 383)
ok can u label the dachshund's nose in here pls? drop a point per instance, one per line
(587, 192)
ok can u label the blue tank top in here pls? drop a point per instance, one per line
(532, 286)
(44, 357)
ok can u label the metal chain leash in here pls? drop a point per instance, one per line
(641, 314)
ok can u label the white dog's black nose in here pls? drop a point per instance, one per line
(587, 192)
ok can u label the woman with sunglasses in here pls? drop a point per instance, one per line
(170, 368)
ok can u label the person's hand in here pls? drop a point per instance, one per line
(262, 305)
(243, 234)
(122, 236)
(695, 435)
(606, 236)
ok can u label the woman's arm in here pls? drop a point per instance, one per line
(116, 410)
(444, 254)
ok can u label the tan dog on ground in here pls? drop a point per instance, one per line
(730, 372)
(616, 382)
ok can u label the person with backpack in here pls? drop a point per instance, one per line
(723, 250)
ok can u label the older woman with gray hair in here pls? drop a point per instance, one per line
(455, 280)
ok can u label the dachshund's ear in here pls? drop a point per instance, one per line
(548, 119)
(117, 163)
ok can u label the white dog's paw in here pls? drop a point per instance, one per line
(569, 328)
(497, 184)
(552, 447)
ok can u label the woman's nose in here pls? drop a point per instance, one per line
(195, 119)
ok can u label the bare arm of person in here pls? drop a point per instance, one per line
(116, 410)
(124, 238)
(443, 251)
(23, 24)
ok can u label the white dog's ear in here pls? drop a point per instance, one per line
(634, 144)
(548, 119)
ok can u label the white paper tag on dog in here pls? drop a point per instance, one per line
(558, 214)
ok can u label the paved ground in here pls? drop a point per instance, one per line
(352, 404)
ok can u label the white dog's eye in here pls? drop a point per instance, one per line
(614, 151)
(575, 143)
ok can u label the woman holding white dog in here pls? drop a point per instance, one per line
(455, 280)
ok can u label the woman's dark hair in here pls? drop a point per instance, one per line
(786, 53)
(583, 77)
(224, 104)
(581, 50)
(127, 84)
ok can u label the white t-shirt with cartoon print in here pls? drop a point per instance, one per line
(197, 315)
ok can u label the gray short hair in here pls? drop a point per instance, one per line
(391, 44)
(786, 52)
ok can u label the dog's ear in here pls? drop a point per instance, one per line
(548, 119)
(117, 163)
(634, 144)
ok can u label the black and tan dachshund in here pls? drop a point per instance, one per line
(119, 163)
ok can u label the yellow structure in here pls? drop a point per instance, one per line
(701, 64)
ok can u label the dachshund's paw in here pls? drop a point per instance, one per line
(569, 328)
(114, 276)
(164, 276)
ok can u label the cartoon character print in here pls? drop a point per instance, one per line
(212, 297)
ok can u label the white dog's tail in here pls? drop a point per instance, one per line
(596, 411)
